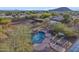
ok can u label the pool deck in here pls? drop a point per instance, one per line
(52, 43)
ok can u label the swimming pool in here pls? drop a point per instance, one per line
(38, 37)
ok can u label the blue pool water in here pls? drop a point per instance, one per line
(75, 47)
(38, 37)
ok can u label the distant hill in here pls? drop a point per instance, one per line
(61, 9)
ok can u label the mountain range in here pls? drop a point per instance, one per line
(61, 9)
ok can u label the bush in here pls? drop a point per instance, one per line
(20, 40)
(30, 12)
(54, 14)
(45, 15)
(63, 28)
(66, 18)
(76, 21)
(5, 20)
(33, 16)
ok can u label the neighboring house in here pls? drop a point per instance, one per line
(76, 26)
(57, 18)
(22, 15)
(6, 17)
(54, 22)
(75, 17)
(12, 16)
(2, 14)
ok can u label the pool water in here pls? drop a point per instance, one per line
(38, 37)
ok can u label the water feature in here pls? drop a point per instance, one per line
(38, 37)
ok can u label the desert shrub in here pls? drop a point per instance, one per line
(17, 40)
(30, 12)
(5, 20)
(3, 41)
(33, 16)
(59, 27)
(76, 21)
(8, 13)
(66, 18)
(4, 47)
(20, 39)
(45, 15)
(1, 29)
(54, 14)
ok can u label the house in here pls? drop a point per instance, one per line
(57, 18)
(5, 16)
(75, 17)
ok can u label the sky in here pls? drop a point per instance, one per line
(34, 8)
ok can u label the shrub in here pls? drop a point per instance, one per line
(66, 18)
(33, 16)
(63, 28)
(76, 21)
(30, 12)
(5, 20)
(45, 15)
(20, 39)
(17, 40)
(54, 14)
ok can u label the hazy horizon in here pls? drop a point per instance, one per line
(35, 8)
